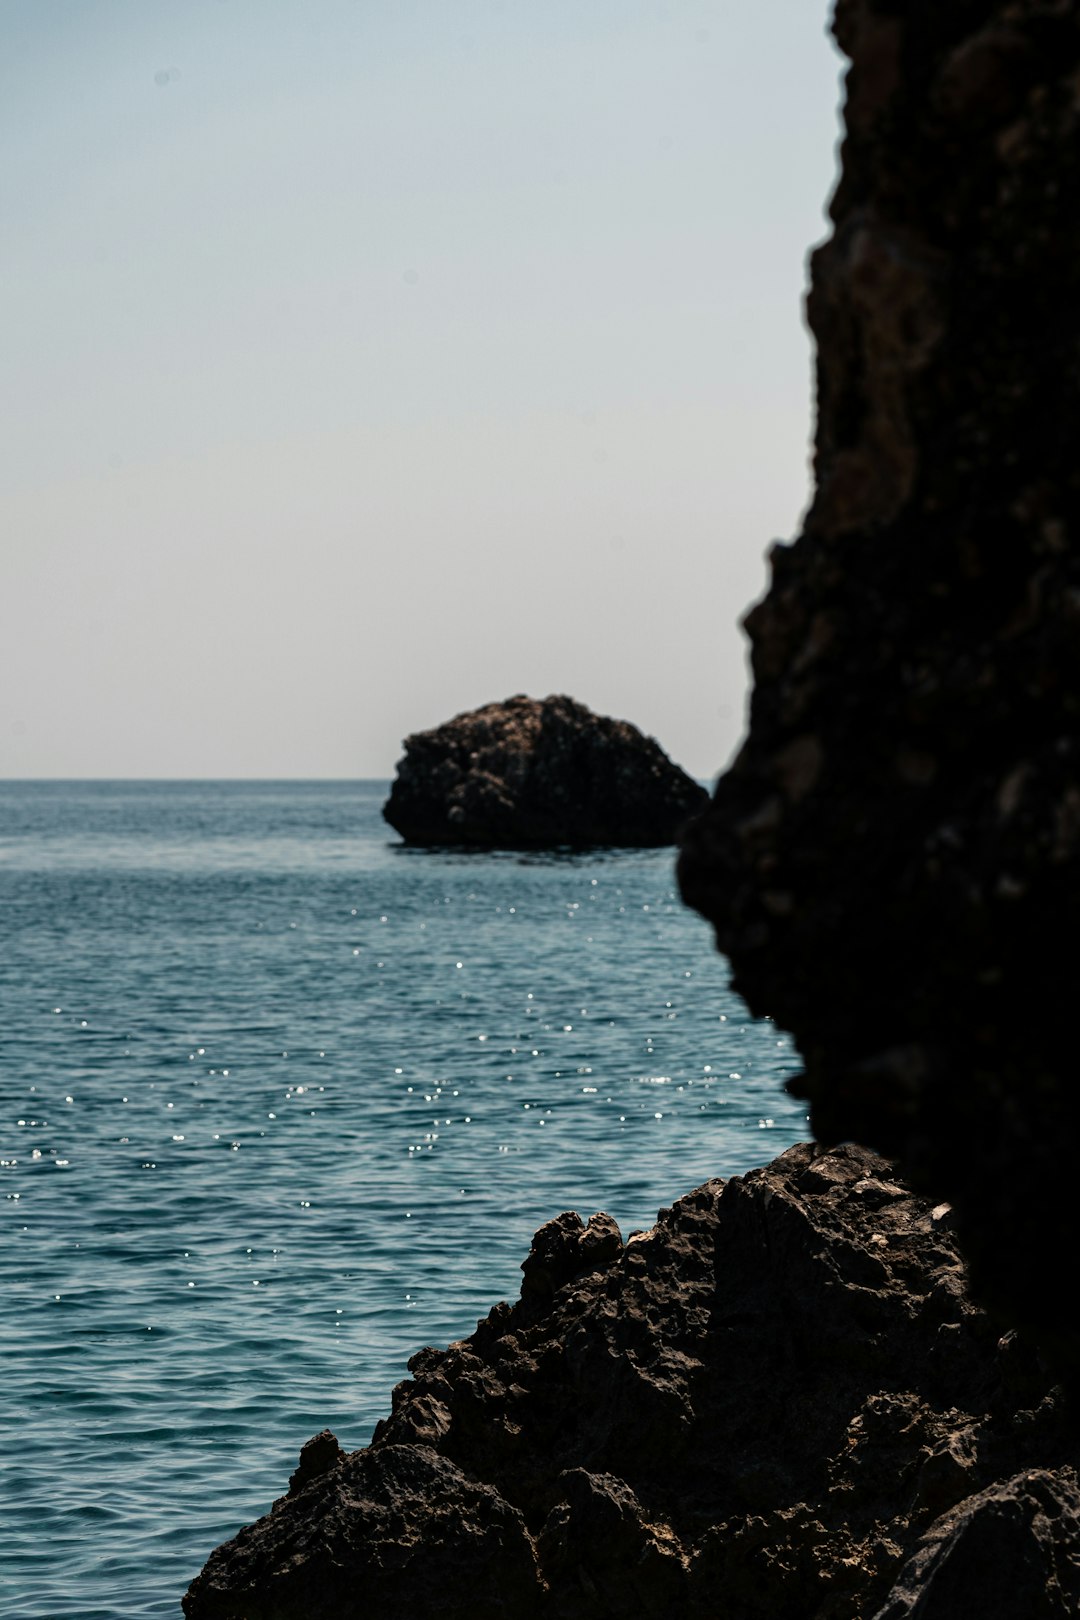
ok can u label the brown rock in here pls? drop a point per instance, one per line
(1019, 1538)
(768, 1406)
(319, 1456)
(529, 774)
(393, 1532)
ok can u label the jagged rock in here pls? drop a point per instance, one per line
(319, 1456)
(395, 1531)
(528, 774)
(563, 1248)
(1014, 1545)
(892, 864)
(779, 1404)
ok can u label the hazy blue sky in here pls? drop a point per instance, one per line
(366, 360)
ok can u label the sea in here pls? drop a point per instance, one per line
(282, 1101)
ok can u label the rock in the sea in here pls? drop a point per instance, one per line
(538, 774)
(892, 864)
(779, 1404)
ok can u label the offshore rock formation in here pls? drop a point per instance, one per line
(529, 774)
(892, 864)
(779, 1404)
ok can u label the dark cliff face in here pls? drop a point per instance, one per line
(778, 1404)
(531, 773)
(892, 862)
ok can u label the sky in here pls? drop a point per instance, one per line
(369, 360)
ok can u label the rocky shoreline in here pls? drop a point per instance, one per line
(780, 1403)
(784, 1402)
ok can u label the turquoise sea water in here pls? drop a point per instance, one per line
(282, 1101)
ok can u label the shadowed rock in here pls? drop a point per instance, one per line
(319, 1456)
(892, 864)
(529, 774)
(398, 1531)
(778, 1404)
(1019, 1537)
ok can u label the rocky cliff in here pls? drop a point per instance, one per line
(892, 863)
(529, 773)
(784, 1403)
(780, 1403)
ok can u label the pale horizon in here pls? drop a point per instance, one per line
(366, 368)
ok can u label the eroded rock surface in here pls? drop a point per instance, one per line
(892, 864)
(779, 1404)
(531, 773)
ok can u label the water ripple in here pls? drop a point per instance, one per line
(283, 1101)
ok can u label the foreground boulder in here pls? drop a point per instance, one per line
(528, 774)
(892, 864)
(779, 1404)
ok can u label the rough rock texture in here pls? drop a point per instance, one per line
(779, 1404)
(529, 774)
(892, 864)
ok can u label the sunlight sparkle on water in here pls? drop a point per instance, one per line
(240, 911)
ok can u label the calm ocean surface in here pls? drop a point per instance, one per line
(280, 1102)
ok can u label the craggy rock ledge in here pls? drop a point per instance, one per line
(539, 774)
(779, 1404)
